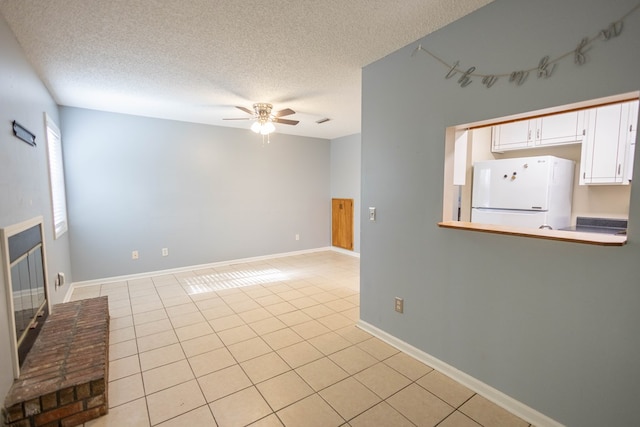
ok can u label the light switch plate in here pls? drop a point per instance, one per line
(372, 214)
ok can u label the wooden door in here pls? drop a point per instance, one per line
(342, 223)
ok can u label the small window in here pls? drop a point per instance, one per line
(56, 178)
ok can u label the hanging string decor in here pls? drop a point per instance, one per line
(546, 66)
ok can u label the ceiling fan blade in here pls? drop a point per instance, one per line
(246, 110)
(285, 112)
(240, 118)
(286, 121)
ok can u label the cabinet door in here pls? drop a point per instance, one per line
(342, 223)
(513, 136)
(631, 139)
(604, 151)
(630, 156)
(562, 128)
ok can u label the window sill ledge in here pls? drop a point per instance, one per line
(564, 236)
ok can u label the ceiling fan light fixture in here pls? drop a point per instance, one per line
(265, 119)
(267, 128)
(263, 127)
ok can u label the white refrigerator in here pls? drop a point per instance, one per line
(531, 192)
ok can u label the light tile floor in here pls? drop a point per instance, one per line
(267, 343)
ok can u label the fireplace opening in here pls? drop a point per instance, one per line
(25, 274)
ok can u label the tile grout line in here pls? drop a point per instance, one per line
(195, 378)
(146, 402)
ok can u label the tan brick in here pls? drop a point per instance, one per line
(32, 407)
(22, 423)
(57, 414)
(83, 391)
(98, 387)
(66, 396)
(14, 413)
(94, 401)
(49, 401)
(81, 417)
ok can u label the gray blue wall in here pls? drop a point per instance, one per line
(206, 193)
(552, 324)
(24, 178)
(345, 177)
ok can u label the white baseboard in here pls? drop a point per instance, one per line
(517, 408)
(345, 251)
(67, 295)
(148, 274)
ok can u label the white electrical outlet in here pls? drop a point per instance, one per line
(165, 251)
(134, 255)
(399, 305)
(297, 237)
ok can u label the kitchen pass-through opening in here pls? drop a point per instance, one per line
(543, 172)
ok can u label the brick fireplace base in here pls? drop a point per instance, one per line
(63, 381)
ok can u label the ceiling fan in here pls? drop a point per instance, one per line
(264, 118)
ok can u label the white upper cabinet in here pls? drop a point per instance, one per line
(513, 136)
(607, 145)
(555, 129)
(607, 134)
(565, 128)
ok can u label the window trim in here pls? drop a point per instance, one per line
(56, 177)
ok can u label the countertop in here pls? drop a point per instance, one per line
(565, 236)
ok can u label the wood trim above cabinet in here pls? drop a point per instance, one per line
(536, 116)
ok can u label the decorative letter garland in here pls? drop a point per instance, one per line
(545, 67)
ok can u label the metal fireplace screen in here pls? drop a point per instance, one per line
(26, 261)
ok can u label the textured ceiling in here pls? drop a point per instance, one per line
(194, 60)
